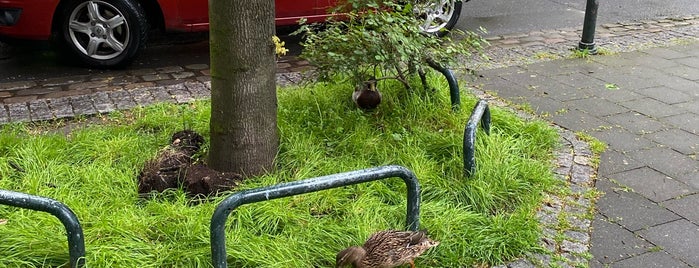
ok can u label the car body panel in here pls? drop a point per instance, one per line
(35, 21)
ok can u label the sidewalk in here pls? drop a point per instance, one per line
(643, 103)
(645, 106)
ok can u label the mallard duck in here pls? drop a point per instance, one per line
(386, 249)
(367, 96)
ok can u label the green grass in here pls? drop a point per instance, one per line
(489, 218)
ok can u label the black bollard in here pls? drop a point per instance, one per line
(588, 35)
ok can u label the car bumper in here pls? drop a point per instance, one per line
(26, 19)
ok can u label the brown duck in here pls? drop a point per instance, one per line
(386, 249)
(367, 96)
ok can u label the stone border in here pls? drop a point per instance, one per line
(565, 219)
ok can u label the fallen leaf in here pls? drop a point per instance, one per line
(3, 221)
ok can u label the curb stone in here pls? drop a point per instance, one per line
(568, 244)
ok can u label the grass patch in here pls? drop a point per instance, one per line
(92, 167)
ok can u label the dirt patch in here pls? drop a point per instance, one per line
(175, 167)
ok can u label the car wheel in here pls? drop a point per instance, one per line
(103, 33)
(437, 16)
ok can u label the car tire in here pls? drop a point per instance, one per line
(438, 17)
(102, 33)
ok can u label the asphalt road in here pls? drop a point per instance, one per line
(498, 17)
(501, 17)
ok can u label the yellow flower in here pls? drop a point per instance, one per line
(279, 46)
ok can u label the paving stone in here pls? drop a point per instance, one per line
(635, 122)
(667, 161)
(142, 96)
(82, 105)
(689, 177)
(610, 242)
(679, 237)
(39, 110)
(86, 85)
(690, 61)
(198, 90)
(666, 95)
(197, 66)
(37, 91)
(160, 94)
(18, 112)
(124, 80)
(138, 85)
(155, 77)
(683, 71)
(686, 121)
(122, 100)
(102, 102)
(21, 99)
(597, 107)
(665, 53)
(67, 93)
(169, 69)
(651, 107)
(62, 81)
(679, 83)
(632, 210)
(180, 93)
(685, 206)
(655, 62)
(677, 139)
(182, 75)
(691, 106)
(652, 184)
(658, 259)
(622, 140)
(578, 121)
(4, 117)
(61, 107)
(16, 85)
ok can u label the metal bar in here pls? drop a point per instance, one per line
(76, 242)
(453, 84)
(481, 113)
(587, 41)
(218, 220)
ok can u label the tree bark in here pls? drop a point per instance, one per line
(243, 122)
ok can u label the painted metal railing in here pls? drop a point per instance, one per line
(218, 220)
(453, 83)
(76, 241)
(481, 113)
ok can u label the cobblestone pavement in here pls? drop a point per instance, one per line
(506, 61)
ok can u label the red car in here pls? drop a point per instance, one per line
(109, 33)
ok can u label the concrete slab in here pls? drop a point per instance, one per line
(679, 238)
(677, 139)
(657, 259)
(652, 184)
(597, 106)
(613, 161)
(685, 206)
(667, 161)
(633, 211)
(651, 107)
(610, 242)
(635, 122)
(686, 121)
(623, 140)
(665, 94)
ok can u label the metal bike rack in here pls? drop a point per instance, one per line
(453, 84)
(481, 113)
(218, 220)
(76, 241)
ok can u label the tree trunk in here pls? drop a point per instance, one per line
(243, 123)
